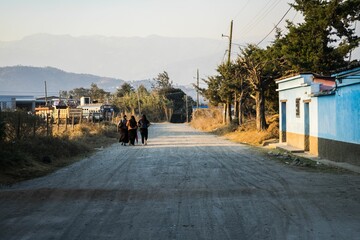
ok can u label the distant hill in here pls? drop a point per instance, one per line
(128, 58)
(24, 80)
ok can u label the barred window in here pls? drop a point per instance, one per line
(297, 107)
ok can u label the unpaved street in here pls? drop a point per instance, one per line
(184, 185)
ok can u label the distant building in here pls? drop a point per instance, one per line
(48, 101)
(12, 102)
(7, 103)
(322, 114)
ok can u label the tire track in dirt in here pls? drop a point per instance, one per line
(273, 192)
(280, 195)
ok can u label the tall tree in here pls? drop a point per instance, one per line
(226, 90)
(211, 93)
(163, 81)
(242, 90)
(323, 41)
(77, 93)
(98, 94)
(124, 89)
(254, 61)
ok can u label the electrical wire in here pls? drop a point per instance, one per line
(296, 13)
(258, 16)
(275, 26)
(266, 13)
(224, 55)
(242, 9)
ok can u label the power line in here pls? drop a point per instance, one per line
(224, 55)
(250, 23)
(270, 9)
(259, 15)
(294, 16)
(275, 26)
(242, 9)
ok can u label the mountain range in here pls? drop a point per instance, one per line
(127, 58)
(26, 80)
(20, 80)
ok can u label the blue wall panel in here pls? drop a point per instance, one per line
(339, 115)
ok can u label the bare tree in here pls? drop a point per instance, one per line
(253, 60)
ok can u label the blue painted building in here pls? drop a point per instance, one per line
(321, 114)
(339, 119)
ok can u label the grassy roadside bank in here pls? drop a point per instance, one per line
(210, 120)
(38, 156)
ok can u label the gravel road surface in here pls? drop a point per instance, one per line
(184, 184)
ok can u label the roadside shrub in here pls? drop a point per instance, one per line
(11, 155)
(20, 125)
(207, 119)
(34, 156)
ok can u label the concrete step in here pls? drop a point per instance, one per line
(288, 148)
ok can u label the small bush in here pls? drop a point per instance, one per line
(207, 119)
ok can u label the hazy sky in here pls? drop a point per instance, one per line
(127, 18)
(253, 20)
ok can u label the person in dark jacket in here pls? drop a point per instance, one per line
(143, 126)
(132, 126)
(124, 134)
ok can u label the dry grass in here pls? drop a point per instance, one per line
(207, 119)
(211, 120)
(247, 133)
(39, 156)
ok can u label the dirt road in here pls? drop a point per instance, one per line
(183, 185)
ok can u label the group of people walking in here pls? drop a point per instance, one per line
(128, 130)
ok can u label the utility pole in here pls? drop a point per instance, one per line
(197, 92)
(138, 97)
(45, 94)
(227, 106)
(187, 109)
(230, 42)
(229, 59)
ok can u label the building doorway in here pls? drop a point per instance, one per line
(306, 127)
(283, 121)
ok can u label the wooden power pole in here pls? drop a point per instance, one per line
(227, 105)
(197, 92)
(187, 108)
(228, 65)
(45, 94)
(230, 42)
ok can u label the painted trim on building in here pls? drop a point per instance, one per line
(339, 151)
(298, 141)
(347, 73)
